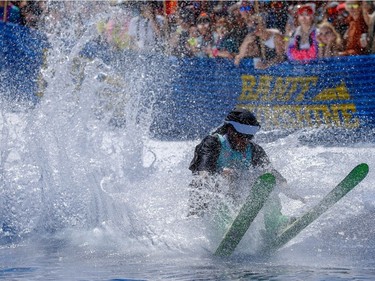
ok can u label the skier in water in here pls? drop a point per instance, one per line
(226, 164)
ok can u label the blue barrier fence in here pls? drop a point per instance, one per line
(194, 95)
(337, 92)
(21, 58)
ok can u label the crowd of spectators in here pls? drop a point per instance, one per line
(270, 32)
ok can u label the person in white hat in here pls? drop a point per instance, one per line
(225, 165)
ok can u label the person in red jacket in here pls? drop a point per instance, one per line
(357, 27)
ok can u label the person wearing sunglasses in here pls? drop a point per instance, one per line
(225, 165)
(357, 27)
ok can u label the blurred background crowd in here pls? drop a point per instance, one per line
(270, 32)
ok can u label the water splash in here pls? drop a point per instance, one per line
(80, 167)
(57, 158)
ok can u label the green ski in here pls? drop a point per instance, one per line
(347, 184)
(248, 212)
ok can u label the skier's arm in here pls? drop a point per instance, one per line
(206, 155)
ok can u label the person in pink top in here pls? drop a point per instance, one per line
(303, 44)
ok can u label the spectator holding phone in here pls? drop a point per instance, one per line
(225, 43)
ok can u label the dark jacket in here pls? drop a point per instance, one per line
(207, 153)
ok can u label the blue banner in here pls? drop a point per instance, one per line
(21, 58)
(336, 92)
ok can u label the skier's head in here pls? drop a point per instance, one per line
(243, 121)
(241, 126)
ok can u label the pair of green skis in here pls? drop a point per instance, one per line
(258, 196)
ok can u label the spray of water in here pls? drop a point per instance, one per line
(77, 160)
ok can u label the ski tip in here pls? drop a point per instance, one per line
(362, 168)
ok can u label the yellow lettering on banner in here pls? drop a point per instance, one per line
(342, 92)
(339, 93)
(279, 89)
(248, 83)
(346, 111)
(300, 114)
(293, 82)
(291, 116)
(319, 114)
(264, 87)
(284, 89)
(306, 83)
